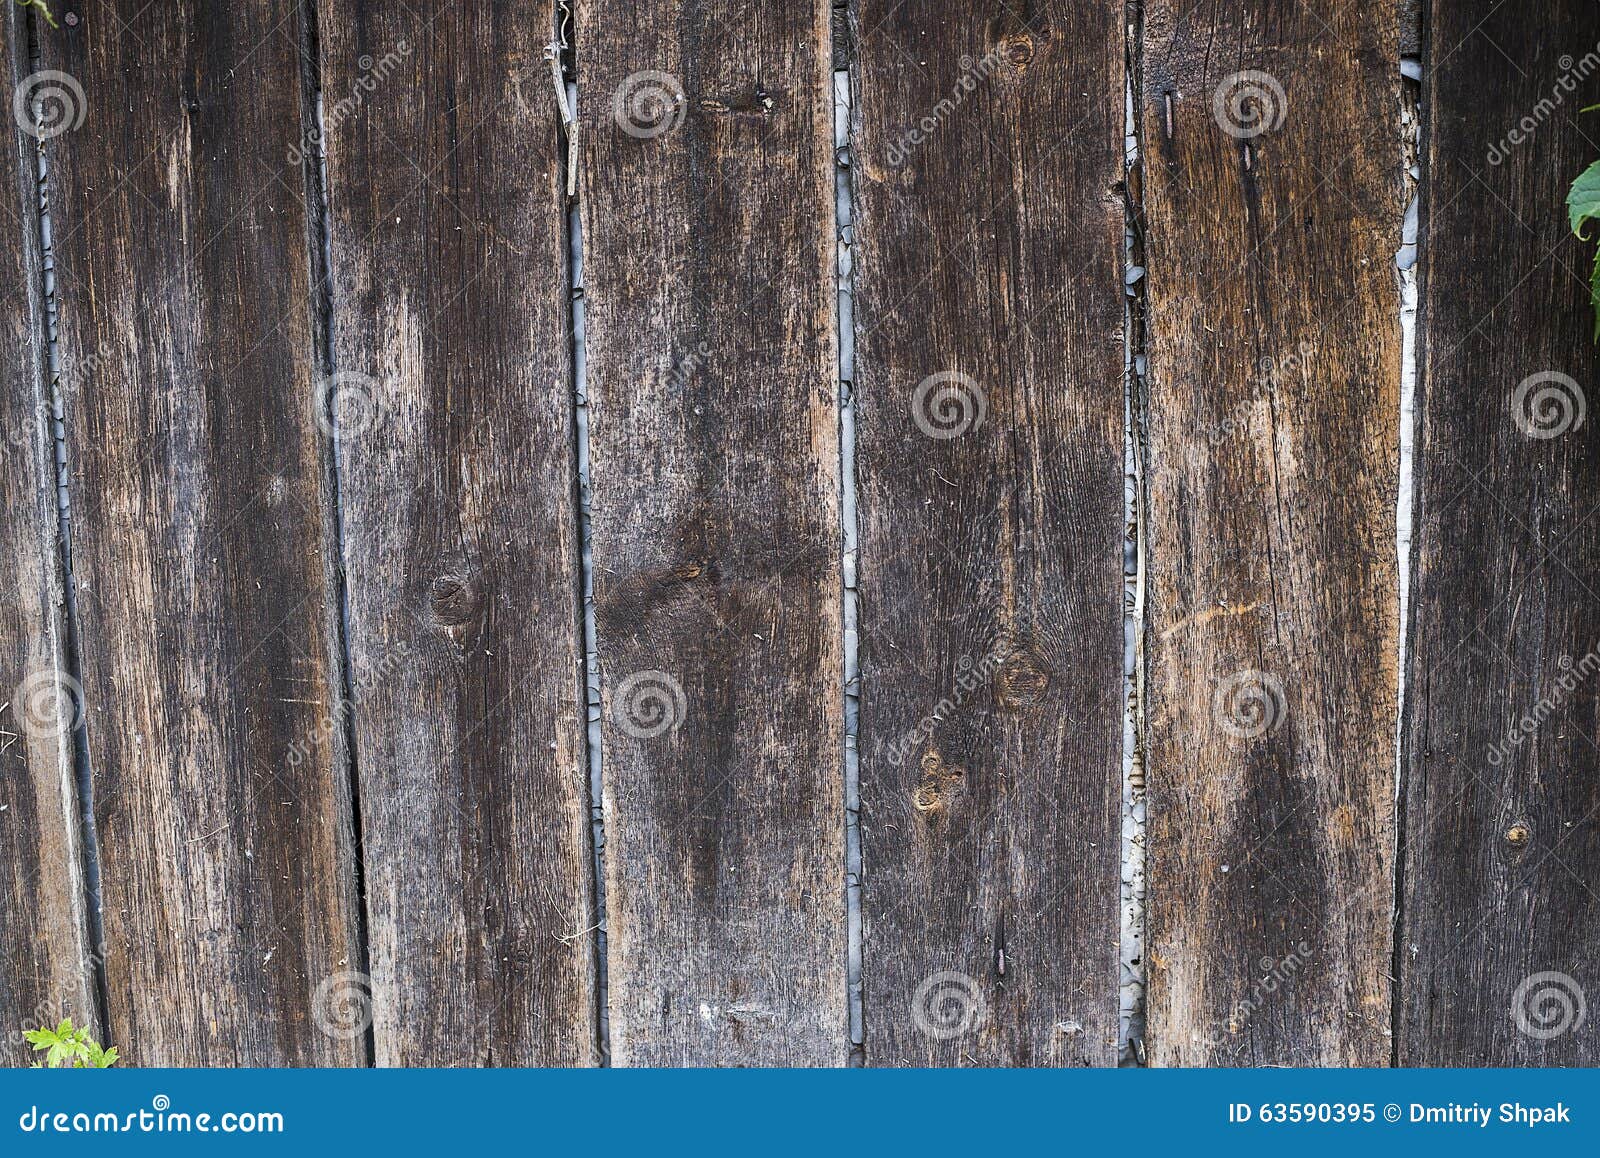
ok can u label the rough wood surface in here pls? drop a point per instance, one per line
(198, 515)
(452, 387)
(1273, 201)
(44, 971)
(709, 260)
(1501, 924)
(989, 381)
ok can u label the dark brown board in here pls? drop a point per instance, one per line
(989, 380)
(45, 974)
(707, 184)
(201, 564)
(453, 393)
(1273, 208)
(1501, 922)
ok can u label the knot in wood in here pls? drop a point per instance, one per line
(1021, 680)
(455, 601)
(1016, 51)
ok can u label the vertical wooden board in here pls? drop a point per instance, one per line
(1500, 923)
(989, 385)
(1273, 208)
(44, 971)
(709, 258)
(200, 563)
(453, 393)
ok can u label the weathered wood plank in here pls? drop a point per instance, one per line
(1273, 211)
(709, 259)
(453, 392)
(201, 571)
(1501, 924)
(44, 971)
(989, 382)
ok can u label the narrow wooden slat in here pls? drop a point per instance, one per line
(44, 973)
(989, 381)
(453, 394)
(1273, 197)
(709, 258)
(201, 569)
(1501, 923)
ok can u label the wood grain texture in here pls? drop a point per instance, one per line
(1272, 220)
(453, 391)
(45, 974)
(709, 257)
(1501, 923)
(989, 382)
(201, 569)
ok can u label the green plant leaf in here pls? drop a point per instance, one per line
(67, 1048)
(1583, 200)
(1594, 293)
(42, 7)
(1583, 207)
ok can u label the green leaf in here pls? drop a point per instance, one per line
(1583, 200)
(66, 1047)
(43, 7)
(1594, 293)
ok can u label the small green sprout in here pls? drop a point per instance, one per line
(68, 1048)
(43, 7)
